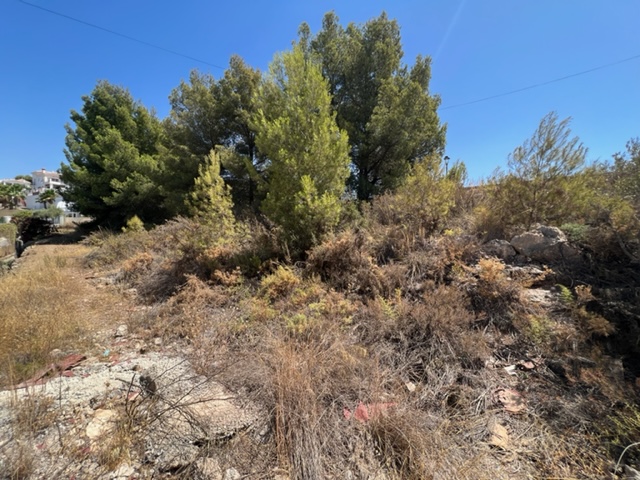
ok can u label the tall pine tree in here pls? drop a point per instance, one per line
(307, 152)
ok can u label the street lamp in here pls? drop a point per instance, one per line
(446, 165)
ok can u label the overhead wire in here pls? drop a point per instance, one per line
(541, 84)
(128, 37)
(446, 107)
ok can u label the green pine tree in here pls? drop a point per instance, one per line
(308, 153)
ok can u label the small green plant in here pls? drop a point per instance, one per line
(134, 224)
(566, 297)
(577, 232)
(539, 329)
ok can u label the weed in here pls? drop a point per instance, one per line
(32, 414)
(280, 283)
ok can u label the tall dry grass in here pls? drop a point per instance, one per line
(46, 304)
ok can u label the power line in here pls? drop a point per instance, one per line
(536, 85)
(112, 32)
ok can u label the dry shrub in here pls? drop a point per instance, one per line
(494, 295)
(409, 336)
(18, 462)
(280, 283)
(339, 259)
(311, 383)
(413, 447)
(136, 266)
(187, 313)
(440, 259)
(111, 248)
(346, 262)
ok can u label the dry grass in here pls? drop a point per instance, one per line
(47, 304)
(379, 316)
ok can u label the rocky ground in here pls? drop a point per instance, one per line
(126, 407)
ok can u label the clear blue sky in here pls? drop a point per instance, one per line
(479, 48)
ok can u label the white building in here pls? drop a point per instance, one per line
(12, 181)
(45, 180)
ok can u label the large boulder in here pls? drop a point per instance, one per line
(499, 248)
(546, 244)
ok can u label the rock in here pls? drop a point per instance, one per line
(101, 424)
(157, 341)
(121, 331)
(510, 399)
(410, 386)
(232, 474)
(499, 248)
(148, 384)
(123, 472)
(546, 244)
(540, 296)
(209, 468)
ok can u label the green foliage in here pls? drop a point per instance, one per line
(49, 212)
(424, 200)
(206, 113)
(280, 283)
(307, 151)
(543, 182)
(566, 297)
(47, 197)
(576, 232)
(626, 172)
(210, 199)
(112, 153)
(11, 194)
(134, 224)
(384, 106)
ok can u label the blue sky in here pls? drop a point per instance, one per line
(480, 48)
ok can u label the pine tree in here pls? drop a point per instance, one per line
(307, 152)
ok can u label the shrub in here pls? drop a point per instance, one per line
(422, 203)
(494, 295)
(134, 224)
(32, 228)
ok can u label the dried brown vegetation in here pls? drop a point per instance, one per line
(392, 351)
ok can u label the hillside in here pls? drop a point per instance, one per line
(447, 359)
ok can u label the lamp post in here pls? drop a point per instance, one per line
(446, 165)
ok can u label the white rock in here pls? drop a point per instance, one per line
(232, 474)
(122, 331)
(102, 422)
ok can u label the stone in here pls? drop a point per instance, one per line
(546, 244)
(102, 423)
(499, 248)
(209, 468)
(631, 473)
(232, 474)
(123, 472)
(157, 341)
(121, 331)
